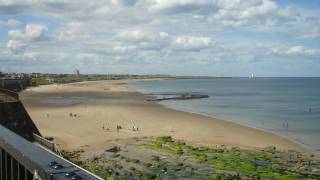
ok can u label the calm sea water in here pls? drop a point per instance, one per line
(264, 103)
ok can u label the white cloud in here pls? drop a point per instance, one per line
(291, 50)
(311, 32)
(141, 35)
(240, 12)
(10, 22)
(140, 39)
(296, 50)
(159, 31)
(178, 6)
(123, 49)
(150, 40)
(190, 43)
(87, 56)
(33, 32)
(21, 39)
(17, 47)
(301, 50)
(124, 2)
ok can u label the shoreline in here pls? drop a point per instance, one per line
(306, 147)
(291, 139)
(248, 126)
(211, 130)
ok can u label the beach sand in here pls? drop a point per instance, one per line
(99, 105)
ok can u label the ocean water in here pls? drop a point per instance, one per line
(270, 104)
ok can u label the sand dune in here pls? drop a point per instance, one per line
(106, 104)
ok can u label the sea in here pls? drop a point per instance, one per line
(289, 107)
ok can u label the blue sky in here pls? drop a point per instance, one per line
(177, 37)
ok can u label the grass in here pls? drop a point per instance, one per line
(40, 81)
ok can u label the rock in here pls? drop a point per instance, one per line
(147, 164)
(271, 149)
(114, 149)
(314, 163)
(115, 155)
(156, 158)
(277, 155)
(151, 176)
(136, 160)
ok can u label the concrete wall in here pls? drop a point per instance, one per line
(14, 84)
(14, 116)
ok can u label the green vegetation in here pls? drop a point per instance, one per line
(40, 81)
(268, 164)
(165, 158)
(167, 145)
(44, 79)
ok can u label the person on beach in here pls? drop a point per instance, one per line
(135, 128)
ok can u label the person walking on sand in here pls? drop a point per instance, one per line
(135, 128)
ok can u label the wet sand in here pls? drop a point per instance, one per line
(97, 107)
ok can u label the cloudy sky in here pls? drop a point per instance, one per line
(178, 37)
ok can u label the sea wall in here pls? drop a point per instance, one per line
(14, 116)
(15, 85)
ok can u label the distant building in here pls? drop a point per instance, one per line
(50, 80)
(15, 82)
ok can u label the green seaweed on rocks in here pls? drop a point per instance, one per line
(268, 163)
(166, 158)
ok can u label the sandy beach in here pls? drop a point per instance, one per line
(85, 115)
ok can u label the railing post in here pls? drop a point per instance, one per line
(2, 175)
(25, 174)
(11, 168)
(1, 164)
(18, 170)
(6, 164)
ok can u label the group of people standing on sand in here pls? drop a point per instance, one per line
(73, 115)
(134, 128)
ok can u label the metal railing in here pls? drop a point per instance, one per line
(22, 160)
(44, 142)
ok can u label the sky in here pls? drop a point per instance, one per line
(176, 37)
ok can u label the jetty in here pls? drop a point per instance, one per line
(176, 96)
